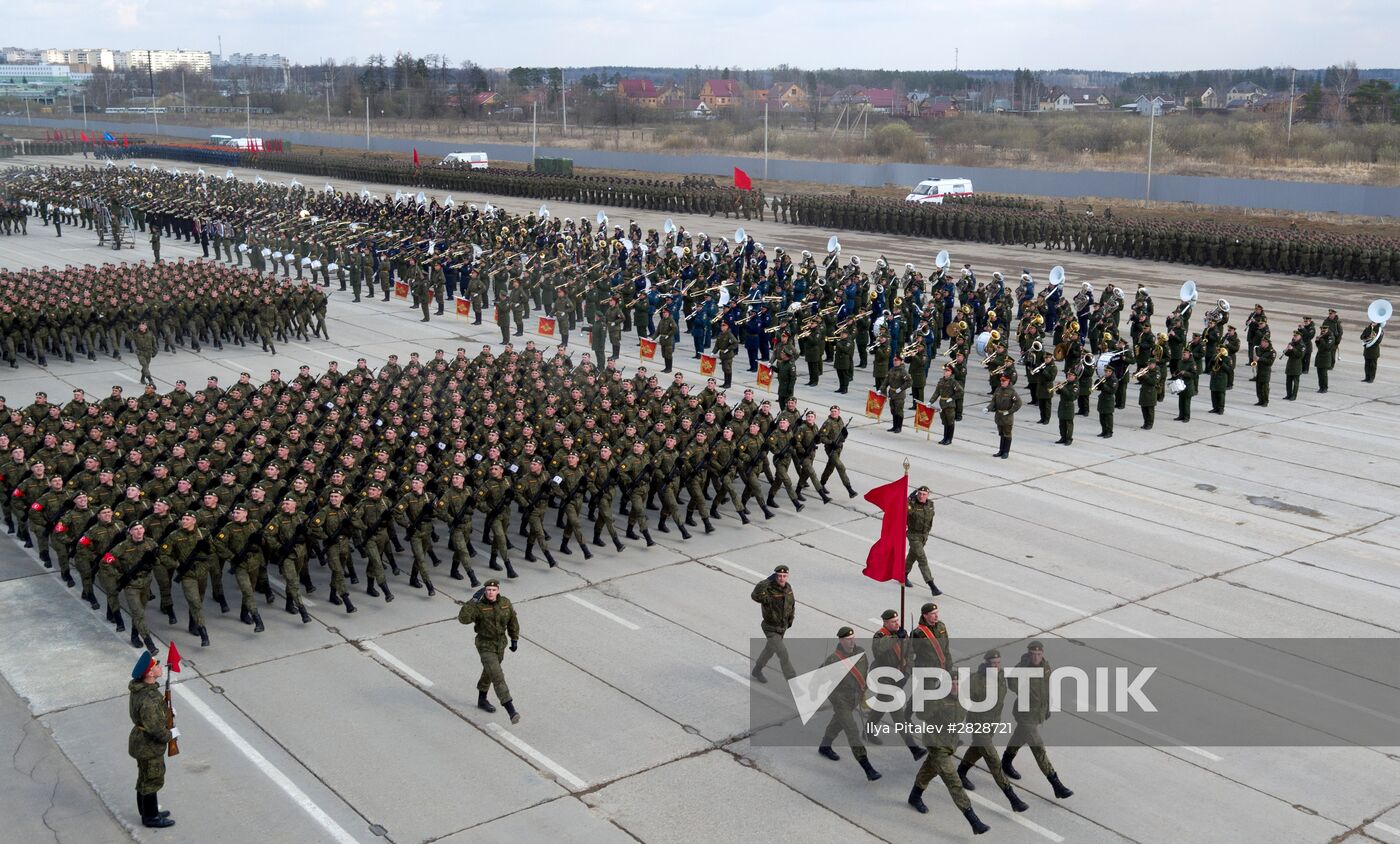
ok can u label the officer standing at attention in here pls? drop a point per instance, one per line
(495, 620)
(149, 739)
(774, 595)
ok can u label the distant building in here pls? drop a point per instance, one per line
(719, 94)
(196, 61)
(638, 92)
(19, 55)
(268, 61)
(1243, 94)
(1158, 104)
(1209, 99)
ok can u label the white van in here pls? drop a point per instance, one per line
(933, 190)
(250, 144)
(474, 160)
(220, 140)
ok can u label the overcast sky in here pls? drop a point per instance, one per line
(1126, 35)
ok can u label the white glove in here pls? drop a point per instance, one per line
(174, 733)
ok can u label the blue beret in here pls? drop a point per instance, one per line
(143, 664)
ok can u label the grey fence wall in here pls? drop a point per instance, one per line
(1365, 200)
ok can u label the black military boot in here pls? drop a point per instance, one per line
(194, 630)
(483, 704)
(564, 547)
(354, 578)
(1006, 756)
(767, 514)
(661, 525)
(714, 510)
(709, 528)
(456, 573)
(587, 554)
(975, 822)
(797, 503)
(335, 598)
(646, 534)
(121, 625)
(291, 606)
(349, 607)
(413, 580)
(963, 768)
(370, 589)
(135, 638)
(916, 799)
(870, 773)
(305, 616)
(46, 559)
(850, 491)
(510, 570)
(771, 502)
(825, 750)
(530, 551)
(170, 614)
(933, 587)
(632, 533)
(510, 709)
(203, 637)
(1017, 804)
(429, 584)
(685, 534)
(917, 752)
(91, 599)
(245, 616)
(257, 622)
(384, 587)
(471, 578)
(548, 557)
(617, 543)
(1060, 790)
(150, 644)
(151, 816)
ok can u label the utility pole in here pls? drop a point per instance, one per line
(27, 118)
(184, 103)
(328, 106)
(564, 101)
(534, 128)
(151, 73)
(85, 111)
(248, 115)
(1292, 97)
(765, 140)
(1151, 124)
(366, 124)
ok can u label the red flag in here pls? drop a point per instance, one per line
(886, 558)
(742, 180)
(172, 659)
(84, 137)
(124, 143)
(415, 156)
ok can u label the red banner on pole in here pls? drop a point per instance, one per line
(765, 376)
(707, 365)
(885, 561)
(874, 404)
(742, 180)
(546, 326)
(464, 308)
(648, 349)
(923, 416)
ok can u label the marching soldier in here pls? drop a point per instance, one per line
(495, 621)
(775, 597)
(988, 683)
(845, 699)
(833, 439)
(888, 649)
(1037, 712)
(919, 521)
(943, 719)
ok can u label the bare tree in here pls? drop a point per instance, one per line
(1341, 80)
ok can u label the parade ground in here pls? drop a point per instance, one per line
(632, 675)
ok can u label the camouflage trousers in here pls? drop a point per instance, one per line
(939, 763)
(150, 775)
(491, 673)
(1029, 734)
(982, 748)
(844, 720)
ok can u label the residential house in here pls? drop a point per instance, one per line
(672, 96)
(1088, 99)
(485, 103)
(637, 92)
(1157, 104)
(1243, 94)
(881, 100)
(700, 111)
(787, 97)
(719, 94)
(938, 107)
(1210, 99)
(1277, 103)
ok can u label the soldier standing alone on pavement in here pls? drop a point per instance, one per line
(149, 739)
(919, 522)
(495, 621)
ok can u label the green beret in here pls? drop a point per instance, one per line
(992, 654)
(927, 608)
(1035, 646)
(844, 632)
(780, 570)
(888, 614)
(492, 582)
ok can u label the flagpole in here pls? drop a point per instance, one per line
(906, 576)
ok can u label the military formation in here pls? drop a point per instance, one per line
(1257, 248)
(941, 722)
(783, 312)
(144, 309)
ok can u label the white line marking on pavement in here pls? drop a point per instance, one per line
(127, 376)
(1171, 742)
(604, 613)
(1386, 828)
(1031, 825)
(558, 770)
(826, 526)
(735, 676)
(737, 567)
(395, 662)
(333, 829)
